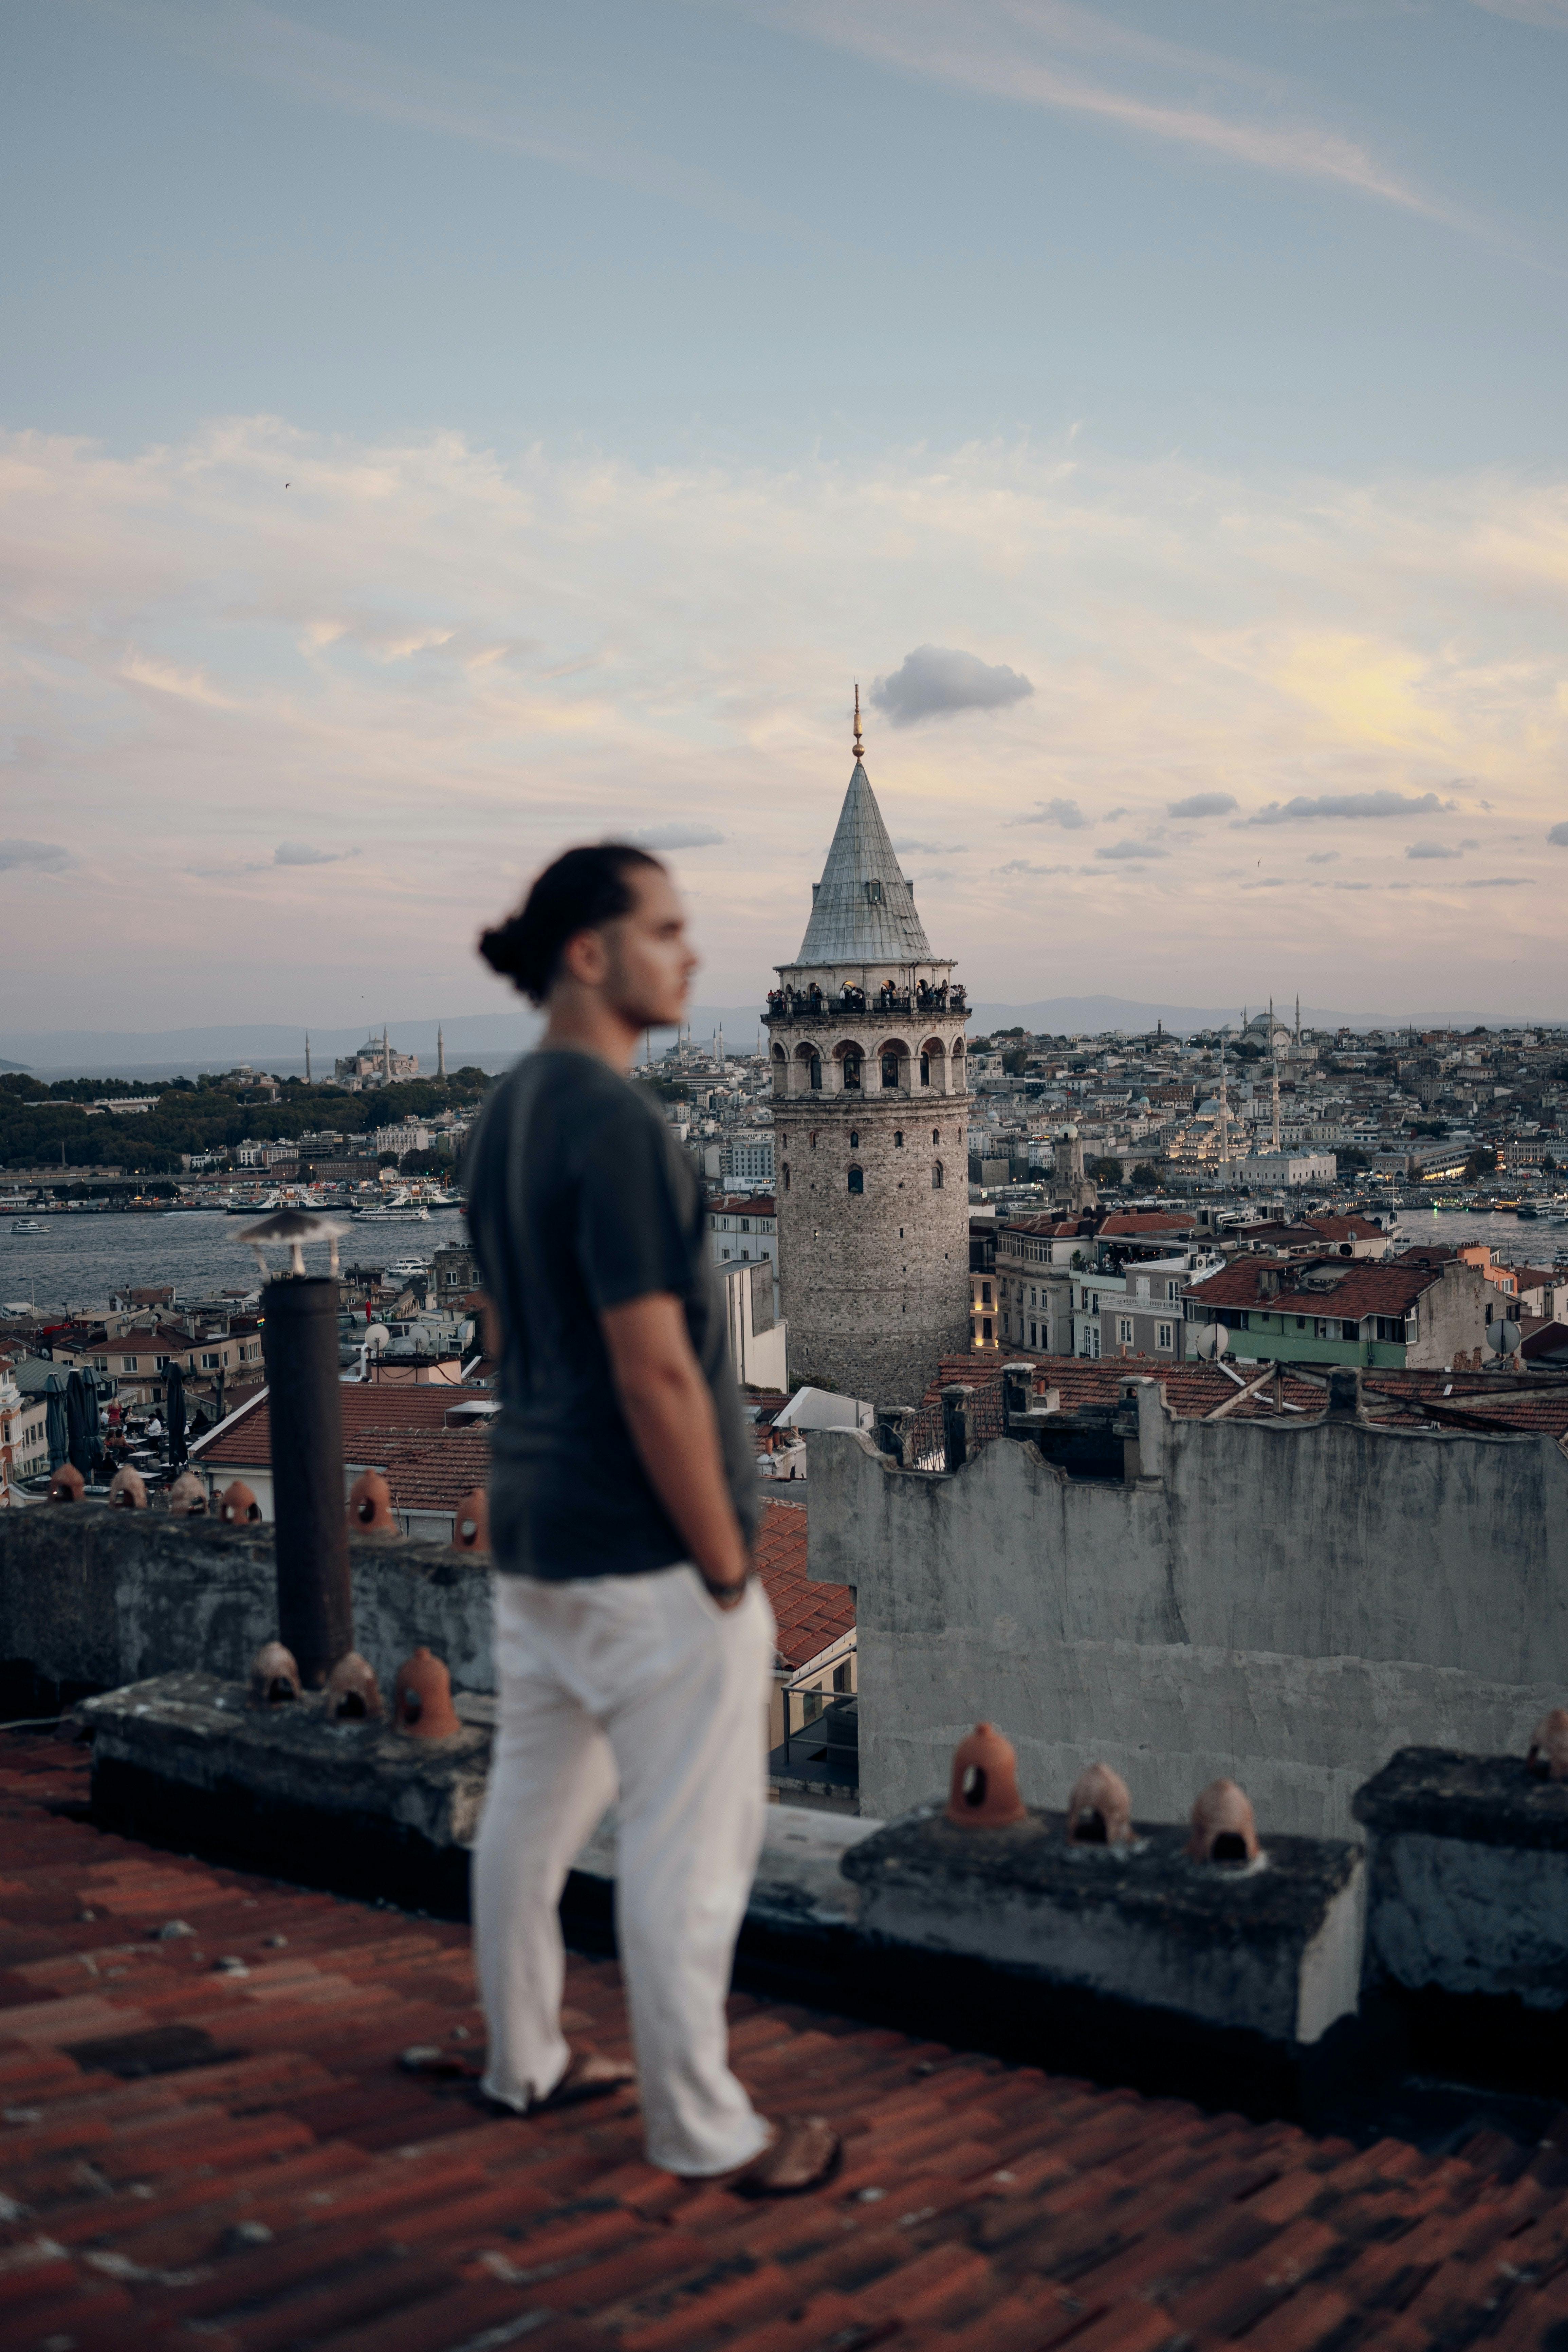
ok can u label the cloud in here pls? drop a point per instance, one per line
(1029, 865)
(1204, 805)
(1128, 849)
(1550, 15)
(1307, 806)
(1031, 55)
(1558, 836)
(1500, 882)
(1324, 857)
(677, 836)
(1067, 814)
(303, 853)
(935, 680)
(1432, 849)
(49, 855)
(922, 849)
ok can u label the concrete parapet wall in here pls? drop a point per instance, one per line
(1284, 1602)
(91, 1598)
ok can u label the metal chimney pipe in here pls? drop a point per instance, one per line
(315, 1599)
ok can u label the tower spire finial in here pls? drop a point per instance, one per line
(859, 748)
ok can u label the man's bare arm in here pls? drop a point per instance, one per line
(670, 1411)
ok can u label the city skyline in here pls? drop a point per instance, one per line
(1155, 413)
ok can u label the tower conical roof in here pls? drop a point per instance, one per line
(864, 910)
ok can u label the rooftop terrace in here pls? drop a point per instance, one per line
(207, 2141)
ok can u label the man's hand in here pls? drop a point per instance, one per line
(670, 1411)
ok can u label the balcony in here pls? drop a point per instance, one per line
(853, 1003)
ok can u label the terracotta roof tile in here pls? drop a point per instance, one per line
(811, 1617)
(1019, 2210)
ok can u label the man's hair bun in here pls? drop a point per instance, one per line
(583, 889)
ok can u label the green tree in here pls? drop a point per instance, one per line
(1482, 1162)
(1104, 1171)
(1015, 1062)
(1146, 1177)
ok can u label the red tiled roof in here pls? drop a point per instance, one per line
(432, 1474)
(811, 1617)
(1144, 1221)
(288, 2186)
(1360, 1287)
(370, 1412)
(1192, 1390)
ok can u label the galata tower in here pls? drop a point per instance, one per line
(870, 1127)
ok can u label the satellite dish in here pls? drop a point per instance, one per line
(1210, 1341)
(376, 1337)
(1502, 1337)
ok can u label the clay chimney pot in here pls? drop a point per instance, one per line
(1223, 1826)
(127, 1490)
(187, 1498)
(422, 1698)
(1099, 1809)
(370, 1505)
(237, 1506)
(274, 1676)
(67, 1483)
(1548, 1758)
(353, 1695)
(984, 1790)
(472, 1527)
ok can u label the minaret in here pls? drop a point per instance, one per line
(1273, 1078)
(385, 1055)
(870, 1118)
(306, 1057)
(440, 1051)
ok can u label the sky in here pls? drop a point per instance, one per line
(431, 435)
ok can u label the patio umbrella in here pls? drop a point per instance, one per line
(178, 1450)
(81, 1422)
(55, 1425)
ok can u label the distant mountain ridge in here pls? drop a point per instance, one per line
(493, 1039)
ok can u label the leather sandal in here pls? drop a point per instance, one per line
(805, 2153)
(589, 2075)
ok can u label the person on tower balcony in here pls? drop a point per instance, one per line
(634, 1647)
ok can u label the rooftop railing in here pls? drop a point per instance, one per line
(855, 1003)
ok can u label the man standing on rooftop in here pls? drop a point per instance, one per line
(633, 1642)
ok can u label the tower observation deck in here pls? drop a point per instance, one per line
(870, 1118)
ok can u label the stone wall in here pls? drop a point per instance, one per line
(874, 1285)
(1286, 1603)
(90, 1599)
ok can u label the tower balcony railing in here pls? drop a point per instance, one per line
(859, 1004)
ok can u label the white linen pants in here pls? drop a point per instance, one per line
(640, 1686)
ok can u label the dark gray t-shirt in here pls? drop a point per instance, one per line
(580, 1199)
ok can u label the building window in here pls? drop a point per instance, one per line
(986, 1294)
(925, 1070)
(841, 1676)
(851, 1072)
(1033, 1341)
(898, 1139)
(1125, 1327)
(1321, 1327)
(816, 1072)
(724, 1255)
(889, 1069)
(786, 1175)
(857, 1179)
(745, 1225)
(1163, 1336)
(854, 1139)
(936, 1135)
(988, 1327)
(814, 1138)
(936, 1176)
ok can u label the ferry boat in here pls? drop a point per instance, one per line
(406, 1269)
(400, 1210)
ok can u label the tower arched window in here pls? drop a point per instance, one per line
(857, 1179)
(889, 1069)
(925, 1070)
(786, 1175)
(854, 1139)
(851, 1071)
(936, 1135)
(936, 1176)
(898, 1139)
(817, 1074)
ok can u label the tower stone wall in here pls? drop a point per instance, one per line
(870, 1118)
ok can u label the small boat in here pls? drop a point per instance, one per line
(1528, 1209)
(400, 1210)
(27, 1226)
(407, 1269)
